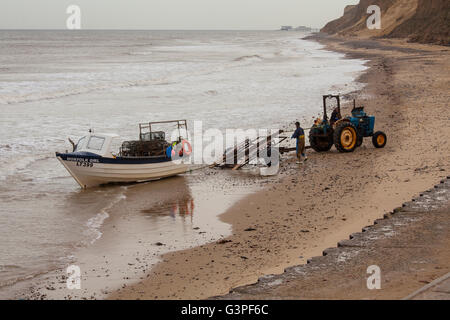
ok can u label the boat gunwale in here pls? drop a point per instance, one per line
(73, 156)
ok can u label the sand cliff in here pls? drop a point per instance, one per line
(425, 21)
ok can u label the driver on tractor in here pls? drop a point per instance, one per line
(335, 116)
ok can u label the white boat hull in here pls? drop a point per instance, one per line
(89, 173)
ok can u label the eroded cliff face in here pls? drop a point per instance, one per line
(426, 21)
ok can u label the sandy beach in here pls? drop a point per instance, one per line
(314, 205)
(409, 246)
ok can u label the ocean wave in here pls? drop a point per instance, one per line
(254, 57)
(141, 53)
(7, 267)
(7, 99)
(5, 147)
(11, 169)
(96, 222)
(42, 96)
(7, 280)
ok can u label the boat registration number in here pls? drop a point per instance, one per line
(85, 164)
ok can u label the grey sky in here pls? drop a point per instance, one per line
(171, 14)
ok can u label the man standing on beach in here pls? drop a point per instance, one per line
(299, 134)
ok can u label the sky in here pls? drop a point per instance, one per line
(171, 14)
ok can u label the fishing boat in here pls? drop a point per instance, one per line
(93, 162)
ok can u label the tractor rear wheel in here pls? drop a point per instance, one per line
(345, 137)
(320, 144)
(379, 139)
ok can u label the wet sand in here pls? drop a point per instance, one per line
(144, 222)
(332, 195)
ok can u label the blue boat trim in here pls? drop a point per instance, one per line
(92, 157)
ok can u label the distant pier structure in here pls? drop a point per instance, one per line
(300, 28)
(303, 29)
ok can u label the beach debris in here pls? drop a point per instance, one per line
(250, 229)
(421, 169)
(223, 241)
(159, 244)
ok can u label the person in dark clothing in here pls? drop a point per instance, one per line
(335, 116)
(299, 134)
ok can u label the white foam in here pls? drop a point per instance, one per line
(95, 223)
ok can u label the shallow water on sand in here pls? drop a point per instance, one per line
(143, 222)
(55, 84)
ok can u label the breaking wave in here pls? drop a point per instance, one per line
(254, 57)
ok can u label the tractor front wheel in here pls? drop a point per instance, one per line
(345, 137)
(379, 139)
(359, 142)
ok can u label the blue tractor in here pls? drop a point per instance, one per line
(346, 134)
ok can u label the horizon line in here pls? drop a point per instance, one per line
(112, 29)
